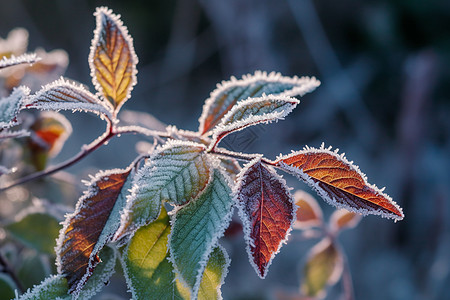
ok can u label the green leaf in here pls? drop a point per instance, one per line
(54, 287)
(148, 273)
(36, 230)
(228, 93)
(177, 172)
(34, 268)
(11, 105)
(7, 286)
(323, 268)
(197, 228)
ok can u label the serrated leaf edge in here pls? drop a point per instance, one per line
(29, 58)
(20, 96)
(308, 84)
(245, 222)
(103, 10)
(214, 241)
(332, 201)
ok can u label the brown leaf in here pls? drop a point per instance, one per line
(267, 210)
(339, 182)
(323, 268)
(309, 213)
(91, 226)
(112, 58)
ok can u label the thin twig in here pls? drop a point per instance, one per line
(347, 284)
(8, 270)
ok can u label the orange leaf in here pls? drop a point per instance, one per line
(91, 226)
(343, 219)
(267, 210)
(339, 182)
(112, 58)
(309, 213)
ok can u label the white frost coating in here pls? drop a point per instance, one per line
(6, 134)
(30, 58)
(103, 14)
(64, 95)
(247, 226)
(224, 270)
(325, 195)
(252, 111)
(170, 174)
(11, 106)
(217, 202)
(46, 289)
(109, 229)
(255, 85)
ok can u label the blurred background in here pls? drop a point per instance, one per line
(384, 101)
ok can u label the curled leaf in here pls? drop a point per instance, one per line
(323, 268)
(343, 219)
(64, 95)
(11, 105)
(228, 93)
(267, 211)
(112, 58)
(309, 213)
(177, 172)
(339, 182)
(92, 225)
(253, 111)
(197, 227)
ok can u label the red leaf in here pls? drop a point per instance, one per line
(267, 210)
(87, 230)
(339, 182)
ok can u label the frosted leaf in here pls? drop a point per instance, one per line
(64, 95)
(196, 229)
(112, 58)
(15, 44)
(53, 287)
(22, 59)
(228, 93)
(267, 211)
(253, 111)
(176, 172)
(6, 134)
(339, 182)
(343, 219)
(309, 213)
(91, 226)
(11, 105)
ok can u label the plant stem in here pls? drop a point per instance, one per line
(347, 280)
(8, 270)
(240, 156)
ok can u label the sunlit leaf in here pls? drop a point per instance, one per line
(6, 62)
(148, 273)
(93, 224)
(50, 62)
(197, 228)
(48, 134)
(11, 105)
(323, 268)
(267, 210)
(15, 44)
(214, 274)
(309, 213)
(176, 172)
(343, 219)
(64, 95)
(253, 111)
(7, 286)
(112, 58)
(339, 182)
(36, 230)
(228, 93)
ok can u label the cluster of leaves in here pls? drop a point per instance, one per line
(162, 217)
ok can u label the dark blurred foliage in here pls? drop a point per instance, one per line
(384, 100)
